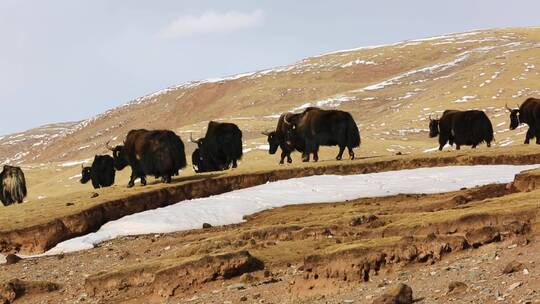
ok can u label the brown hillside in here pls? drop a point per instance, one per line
(391, 90)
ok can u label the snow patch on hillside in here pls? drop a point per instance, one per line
(231, 207)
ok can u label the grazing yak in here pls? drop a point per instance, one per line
(316, 127)
(278, 138)
(220, 148)
(101, 173)
(12, 185)
(464, 128)
(528, 113)
(158, 152)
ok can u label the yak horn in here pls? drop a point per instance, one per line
(285, 119)
(193, 140)
(508, 108)
(108, 146)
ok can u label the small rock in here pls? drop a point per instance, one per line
(206, 226)
(513, 266)
(237, 286)
(267, 273)
(12, 259)
(94, 195)
(70, 204)
(348, 301)
(457, 287)
(256, 296)
(525, 271)
(401, 294)
(485, 235)
(243, 298)
(247, 278)
(514, 286)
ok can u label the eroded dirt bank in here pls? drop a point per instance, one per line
(319, 253)
(39, 238)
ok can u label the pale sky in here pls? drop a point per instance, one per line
(68, 60)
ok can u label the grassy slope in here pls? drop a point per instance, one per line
(389, 120)
(394, 116)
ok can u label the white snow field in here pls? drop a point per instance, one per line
(229, 208)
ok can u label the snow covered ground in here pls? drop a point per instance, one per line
(229, 208)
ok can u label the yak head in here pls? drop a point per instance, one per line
(119, 156)
(197, 159)
(274, 140)
(514, 117)
(85, 174)
(433, 127)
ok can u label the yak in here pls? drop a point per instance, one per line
(316, 127)
(150, 152)
(528, 113)
(12, 185)
(219, 149)
(464, 128)
(279, 138)
(101, 173)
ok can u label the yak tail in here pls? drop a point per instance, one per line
(13, 186)
(179, 154)
(238, 146)
(489, 130)
(353, 135)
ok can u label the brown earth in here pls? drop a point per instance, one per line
(322, 253)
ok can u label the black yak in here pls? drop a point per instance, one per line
(464, 128)
(316, 127)
(101, 173)
(12, 185)
(158, 153)
(219, 149)
(528, 113)
(278, 138)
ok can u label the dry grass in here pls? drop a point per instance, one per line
(61, 195)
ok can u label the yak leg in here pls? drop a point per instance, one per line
(488, 144)
(143, 180)
(234, 164)
(95, 184)
(283, 155)
(289, 159)
(305, 156)
(442, 142)
(458, 146)
(473, 147)
(316, 153)
(351, 152)
(528, 136)
(537, 135)
(132, 179)
(340, 154)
